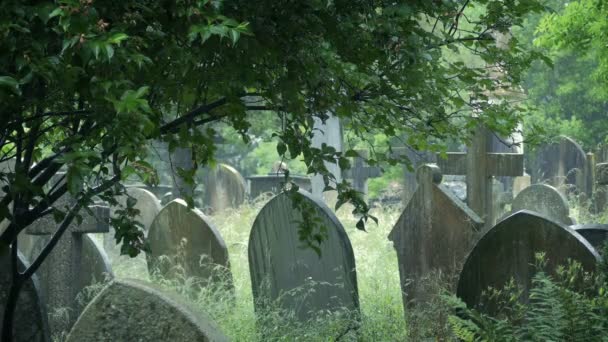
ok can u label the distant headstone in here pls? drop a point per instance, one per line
(328, 133)
(434, 234)
(279, 266)
(520, 183)
(416, 159)
(545, 200)
(507, 251)
(224, 188)
(166, 198)
(75, 263)
(596, 234)
(361, 172)
(561, 164)
(30, 320)
(148, 206)
(273, 183)
(186, 238)
(129, 310)
(601, 173)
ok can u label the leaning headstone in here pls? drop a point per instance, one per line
(596, 234)
(561, 164)
(508, 251)
(281, 268)
(224, 188)
(30, 319)
(545, 200)
(148, 206)
(75, 263)
(185, 243)
(129, 310)
(434, 234)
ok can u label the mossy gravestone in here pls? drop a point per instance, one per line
(30, 320)
(434, 234)
(128, 310)
(299, 278)
(545, 200)
(224, 188)
(507, 251)
(185, 244)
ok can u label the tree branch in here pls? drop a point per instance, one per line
(190, 116)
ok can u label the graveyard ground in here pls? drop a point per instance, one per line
(378, 281)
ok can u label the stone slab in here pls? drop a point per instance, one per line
(224, 188)
(545, 200)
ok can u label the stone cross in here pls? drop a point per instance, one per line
(64, 264)
(480, 166)
(329, 133)
(361, 172)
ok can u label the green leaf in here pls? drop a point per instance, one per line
(10, 83)
(117, 38)
(109, 51)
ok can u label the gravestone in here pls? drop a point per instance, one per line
(30, 319)
(434, 233)
(416, 159)
(129, 310)
(224, 188)
(601, 195)
(279, 266)
(75, 263)
(148, 206)
(545, 200)
(184, 237)
(507, 251)
(330, 134)
(596, 234)
(562, 164)
(480, 166)
(360, 172)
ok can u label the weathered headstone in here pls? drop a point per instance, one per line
(361, 172)
(148, 206)
(75, 263)
(434, 234)
(545, 200)
(279, 266)
(596, 234)
(30, 319)
(507, 251)
(416, 159)
(224, 188)
(185, 240)
(129, 310)
(561, 164)
(480, 166)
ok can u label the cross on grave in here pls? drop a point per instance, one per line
(480, 166)
(65, 262)
(361, 172)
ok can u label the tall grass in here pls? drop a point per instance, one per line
(382, 315)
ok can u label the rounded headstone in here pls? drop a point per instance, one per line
(148, 206)
(596, 234)
(128, 310)
(545, 200)
(507, 251)
(180, 236)
(224, 188)
(30, 320)
(278, 262)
